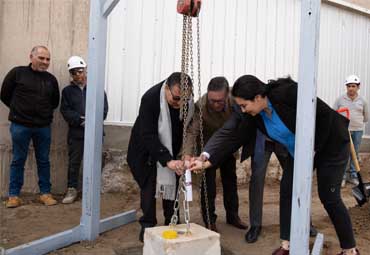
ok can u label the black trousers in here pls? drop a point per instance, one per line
(329, 177)
(257, 181)
(148, 202)
(75, 156)
(229, 185)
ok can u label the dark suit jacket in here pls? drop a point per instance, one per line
(240, 130)
(145, 148)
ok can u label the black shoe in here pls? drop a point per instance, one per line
(236, 222)
(313, 231)
(252, 235)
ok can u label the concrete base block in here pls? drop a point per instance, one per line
(201, 241)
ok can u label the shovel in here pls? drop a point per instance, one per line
(362, 191)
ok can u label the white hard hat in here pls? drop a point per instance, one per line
(352, 79)
(76, 62)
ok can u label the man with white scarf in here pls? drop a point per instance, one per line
(155, 142)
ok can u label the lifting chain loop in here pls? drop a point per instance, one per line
(186, 59)
(203, 180)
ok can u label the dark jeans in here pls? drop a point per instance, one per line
(329, 177)
(148, 202)
(75, 156)
(21, 137)
(260, 161)
(229, 184)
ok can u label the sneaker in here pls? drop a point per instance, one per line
(70, 196)
(13, 202)
(47, 199)
(354, 181)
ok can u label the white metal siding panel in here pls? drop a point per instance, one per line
(344, 50)
(259, 37)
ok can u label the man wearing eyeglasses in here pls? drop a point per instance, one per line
(216, 109)
(154, 145)
(73, 108)
(358, 116)
(32, 94)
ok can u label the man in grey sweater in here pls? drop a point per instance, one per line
(358, 114)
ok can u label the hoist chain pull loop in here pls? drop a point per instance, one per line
(203, 180)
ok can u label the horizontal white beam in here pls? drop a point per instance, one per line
(117, 221)
(47, 244)
(68, 237)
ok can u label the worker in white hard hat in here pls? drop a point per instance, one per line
(358, 115)
(73, 110)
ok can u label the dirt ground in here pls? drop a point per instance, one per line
(33, 221)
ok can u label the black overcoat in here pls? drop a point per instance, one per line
(145, 148)
(240, 130)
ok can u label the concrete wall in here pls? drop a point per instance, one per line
(62, 26)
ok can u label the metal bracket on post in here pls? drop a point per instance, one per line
(305, 127)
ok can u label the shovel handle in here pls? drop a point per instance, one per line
(353, 154)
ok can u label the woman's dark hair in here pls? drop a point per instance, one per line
(217, 84)
(175, 79)
(249, 86)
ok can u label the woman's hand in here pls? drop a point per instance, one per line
(197, 165)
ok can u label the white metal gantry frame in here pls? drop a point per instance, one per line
(305, 131)
(90, 224)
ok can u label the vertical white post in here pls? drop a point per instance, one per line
(94, 122)
(305, 127)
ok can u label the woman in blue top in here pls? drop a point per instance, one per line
(272, 109)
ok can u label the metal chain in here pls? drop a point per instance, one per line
(186, 96)
(203, 180)
(184, 86)
(186, 59)
(186, 208)
(175, 217)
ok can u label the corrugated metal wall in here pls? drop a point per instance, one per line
(259, 37)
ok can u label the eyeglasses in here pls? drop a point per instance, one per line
(221, 101)
(76, 71)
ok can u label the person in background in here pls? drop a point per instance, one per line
(73, 107)
(32, 94)
(358, 116)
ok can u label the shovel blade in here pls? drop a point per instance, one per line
(359, 196)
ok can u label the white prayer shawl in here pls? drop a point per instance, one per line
(166, 178)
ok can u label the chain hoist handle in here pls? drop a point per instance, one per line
(189, 7)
